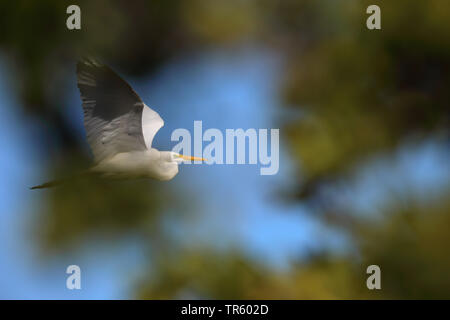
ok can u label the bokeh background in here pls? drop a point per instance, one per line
(364, 160)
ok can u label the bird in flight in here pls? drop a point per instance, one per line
(120, 128)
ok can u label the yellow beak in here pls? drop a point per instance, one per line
(191, 158)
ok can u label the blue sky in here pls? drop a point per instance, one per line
(225, 89)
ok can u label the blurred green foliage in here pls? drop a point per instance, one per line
(367, 91)
(361, 92)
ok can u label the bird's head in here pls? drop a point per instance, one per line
(169, 161)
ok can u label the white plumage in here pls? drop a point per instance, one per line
(120, 127)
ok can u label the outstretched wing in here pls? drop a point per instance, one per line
(115, 117)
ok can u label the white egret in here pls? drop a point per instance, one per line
(120, 128)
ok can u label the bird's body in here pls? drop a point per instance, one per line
(120, 128)
(135, 164)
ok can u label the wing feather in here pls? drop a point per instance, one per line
(114, 115)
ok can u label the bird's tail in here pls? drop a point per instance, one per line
(49, 184)
(58, 182)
